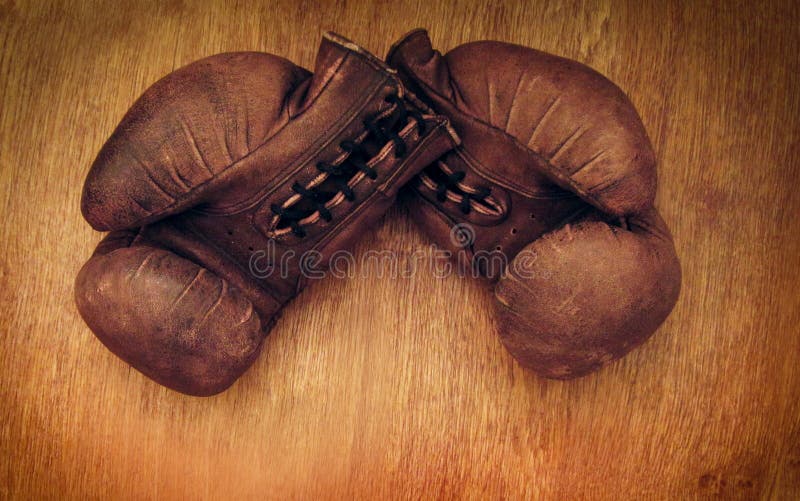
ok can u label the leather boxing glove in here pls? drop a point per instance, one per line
(217, 184)
(556, 172)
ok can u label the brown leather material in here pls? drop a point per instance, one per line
(172, 319)
(548, 303)
(509, 100)
(554, 181)
(217, 182)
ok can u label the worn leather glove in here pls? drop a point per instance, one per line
(550, 195)
(226, 180)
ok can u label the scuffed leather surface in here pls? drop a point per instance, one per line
(185, 132)
(578, 122)
(566, 316)
(572, 174)
(187, 182)
(152, 294)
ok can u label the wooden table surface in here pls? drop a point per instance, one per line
(397, 388)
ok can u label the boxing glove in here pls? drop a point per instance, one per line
(549, 197)
(226, 187)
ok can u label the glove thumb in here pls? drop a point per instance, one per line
(421, 68)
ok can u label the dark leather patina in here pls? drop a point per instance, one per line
(555, 172)
(235, 157)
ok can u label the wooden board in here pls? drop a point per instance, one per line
(381, 388)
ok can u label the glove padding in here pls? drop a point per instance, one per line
(556, 173)
(566, 318)
(174, 320)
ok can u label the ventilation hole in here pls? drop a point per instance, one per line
(513, 231)
(230, 232)
(250, 249)
(532, 216)
(497, 248)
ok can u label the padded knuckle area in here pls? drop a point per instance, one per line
(172, 320)
(574, 118)
(587, 294)
(184, 131)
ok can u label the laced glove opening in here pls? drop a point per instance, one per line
(453, 183)
(382, 129)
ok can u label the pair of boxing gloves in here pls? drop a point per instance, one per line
(535, 171)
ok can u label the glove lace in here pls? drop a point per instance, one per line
(381, 129)
(450, 183)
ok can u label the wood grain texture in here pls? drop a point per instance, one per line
(375, 387)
